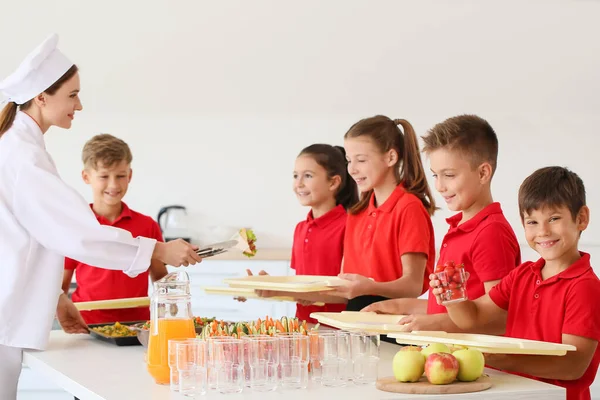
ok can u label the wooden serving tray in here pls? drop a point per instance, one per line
(484, 343)
(294, 283)
(247, 293)
(131, 302)
(390, 384)
(360, 321)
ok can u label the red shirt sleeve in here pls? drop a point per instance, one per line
(581, 314)
(156, 233)
(500, 294)
(70, 263)
(415, 230)
(494, 253)
(295, 240)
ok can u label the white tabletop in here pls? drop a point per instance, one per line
(94, 370)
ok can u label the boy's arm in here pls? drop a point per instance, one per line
(69, 268)
(474, 315)
(443, 322)
(158, 270)
(571, 366)
(580, 328)
(406, 306)
(67, 278)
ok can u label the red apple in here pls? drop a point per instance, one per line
(441, 368)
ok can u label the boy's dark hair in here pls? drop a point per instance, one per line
(552, 187)
(105, 149)
(471, 135)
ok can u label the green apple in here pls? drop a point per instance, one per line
(411, 348)
(471, 363)
(455, 347)
(435, 348)
(408, 366)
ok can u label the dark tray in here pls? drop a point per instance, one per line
(116, 340)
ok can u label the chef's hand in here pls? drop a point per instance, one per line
(69, 317)
(176, 253)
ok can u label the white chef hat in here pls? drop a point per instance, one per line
(40, 69)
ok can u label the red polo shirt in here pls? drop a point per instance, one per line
(318, 250)
(486, 244)
(541, 309)
(105, 284)
(377, 237)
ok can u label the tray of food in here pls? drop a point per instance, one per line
(119, 333)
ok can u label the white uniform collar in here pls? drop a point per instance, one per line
(33, 129)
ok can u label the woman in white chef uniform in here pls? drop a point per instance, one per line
(42, 220)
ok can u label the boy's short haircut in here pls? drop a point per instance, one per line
(106, 150)
(552, 187)
(471, 135)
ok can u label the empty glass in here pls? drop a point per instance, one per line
(262, 361)
(172, 362)
(293, 360)
(364, 349)
(192, 365)
(226, 364)
(334, 358)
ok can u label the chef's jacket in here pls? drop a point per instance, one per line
(42, 220)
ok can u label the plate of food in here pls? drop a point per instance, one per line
(119, 333)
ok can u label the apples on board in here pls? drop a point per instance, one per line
(441, 364)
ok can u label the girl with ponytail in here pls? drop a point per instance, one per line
(389, 246)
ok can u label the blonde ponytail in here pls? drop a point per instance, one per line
(7, 116)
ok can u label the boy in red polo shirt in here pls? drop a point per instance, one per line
(551, 299)
(463, 152)
(107, 169)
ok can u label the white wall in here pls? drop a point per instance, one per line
(217, 98)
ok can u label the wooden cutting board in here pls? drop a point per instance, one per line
(390, 384)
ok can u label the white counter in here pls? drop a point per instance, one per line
(94, 370)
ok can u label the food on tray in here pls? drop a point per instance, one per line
(439, 365)
(268, 326)
(199, 322)
(250, 238)
(116, 330)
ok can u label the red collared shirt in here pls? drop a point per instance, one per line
(541, 309)
(103, 284)
(377, 237)
(486, 244)
(318, 250)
